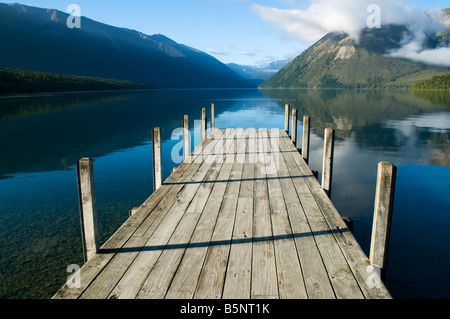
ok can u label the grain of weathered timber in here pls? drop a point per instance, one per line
(264, 273)
(157, 158)
(294, 127)
(88, 207)
(213, 124)
(203, 125)
(344, 285)
(186, 139)
(248, 220)
(286, 118)
(306, 137)
(328, 154)
(384, 203)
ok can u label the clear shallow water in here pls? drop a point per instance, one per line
(41, 138)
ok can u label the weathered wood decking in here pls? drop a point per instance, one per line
(244, 217)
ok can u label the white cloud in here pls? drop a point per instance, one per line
(351, 16)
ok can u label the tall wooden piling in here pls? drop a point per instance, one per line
(286, 118)
(186, 139)
(203, 125)
(384, 203)
(88, 207)
(157, 158)
(213, 124)
(306, 135)
(328, 153)
(294, 126)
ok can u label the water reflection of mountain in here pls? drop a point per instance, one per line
(349, 110)
(49, 133)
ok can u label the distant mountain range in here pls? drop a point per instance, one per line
(338, 61)
(258, 74)
(36, 39)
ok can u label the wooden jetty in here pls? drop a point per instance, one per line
(243, 217)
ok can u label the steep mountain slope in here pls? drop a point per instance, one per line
(339, 61)
(39, 40)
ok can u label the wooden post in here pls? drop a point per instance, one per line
(286, 118)
(328, 153)
(203, 125)
(88, 207)
(305, 142)
(157, 159)
(186, 139)
(213, 125)
(384, 203)
(133, 210)
(294, 126)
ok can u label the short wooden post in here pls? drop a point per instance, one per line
(186, 139)
(203, 125)
(133, 210)
(305, 141)
(294, 126)
(328, 153)
(286, 118)
(157, 158)
(88, 207)
(213, 125)
(384, 203)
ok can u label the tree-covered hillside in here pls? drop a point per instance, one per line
(441, 83)
(19, 81)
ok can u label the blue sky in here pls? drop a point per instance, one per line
(239, 31)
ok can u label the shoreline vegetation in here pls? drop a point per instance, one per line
(26, 82)
(436, 83)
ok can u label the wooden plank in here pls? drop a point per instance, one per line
(159, 279)
(212, 275)
(144, 223)
(186, 278)
(353, 253)
(315, 274)
(290, 278)
(130, 284)
(337, 270)
(264, 273)
(91, 269)
(238, 276)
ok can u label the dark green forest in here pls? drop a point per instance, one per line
(441, 83)
(19, 81)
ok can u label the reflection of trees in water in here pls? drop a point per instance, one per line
(363, 114)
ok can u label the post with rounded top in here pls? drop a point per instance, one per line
(213, 124)
(186, 139)
(384, 203)
(306, 135)
(203, 125)
(88, 207)
(157, 159)
(294, 126)
(286, 118)
(328, 153)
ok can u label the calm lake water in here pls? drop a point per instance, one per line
(41, 138)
